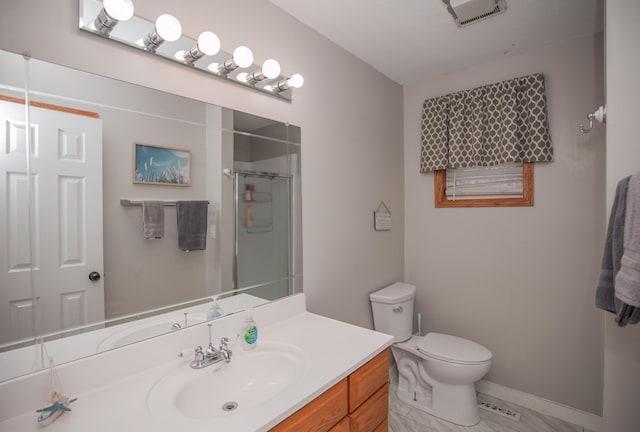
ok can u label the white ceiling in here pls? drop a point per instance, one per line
(412, 40)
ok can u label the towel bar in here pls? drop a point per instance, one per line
(125, 202)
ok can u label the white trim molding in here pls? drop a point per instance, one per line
(589, 421)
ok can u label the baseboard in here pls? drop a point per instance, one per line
(585, 419)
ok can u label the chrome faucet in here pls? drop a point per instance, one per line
(211, 355)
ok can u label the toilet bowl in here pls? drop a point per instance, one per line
(436, 372)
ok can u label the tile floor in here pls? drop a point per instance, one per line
(404, 418)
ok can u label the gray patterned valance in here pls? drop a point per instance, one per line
(488, 125)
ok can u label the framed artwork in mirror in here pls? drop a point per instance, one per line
(161, 165)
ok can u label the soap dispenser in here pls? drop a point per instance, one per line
(215, 311)
(249, 332)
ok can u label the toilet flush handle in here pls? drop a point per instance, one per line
(398, 309)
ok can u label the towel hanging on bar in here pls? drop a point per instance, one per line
(627, 282)
(618, 290)
(153, 219)
(192, 224)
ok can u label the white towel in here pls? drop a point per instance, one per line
(627, 283)
(153, 219)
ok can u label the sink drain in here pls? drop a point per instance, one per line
(229, 406)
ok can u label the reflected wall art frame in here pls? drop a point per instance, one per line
(158, 165)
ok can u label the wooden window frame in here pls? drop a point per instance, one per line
(441, 201)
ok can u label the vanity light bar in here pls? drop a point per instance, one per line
(116, 20)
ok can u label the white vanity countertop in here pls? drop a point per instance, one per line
(21, 361)
(332, 350)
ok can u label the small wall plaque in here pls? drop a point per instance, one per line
(382, 218)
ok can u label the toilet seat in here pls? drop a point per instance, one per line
(453, 349)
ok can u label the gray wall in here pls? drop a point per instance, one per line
(520, 281)
(351, 124)
(622, 345)
(534, 284)
(146, 274)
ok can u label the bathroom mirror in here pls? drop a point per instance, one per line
(79, 276)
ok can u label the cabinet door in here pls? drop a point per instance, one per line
(319, 415)
(371, 413)
(370, 377)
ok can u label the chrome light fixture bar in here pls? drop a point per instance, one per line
(115, 20)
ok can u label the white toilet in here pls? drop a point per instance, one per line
(436, 372)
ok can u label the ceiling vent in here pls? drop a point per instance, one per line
(467, 12)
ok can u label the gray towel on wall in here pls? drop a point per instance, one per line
(627, 280)
(153, 219)
(192, 224)
(613, 249)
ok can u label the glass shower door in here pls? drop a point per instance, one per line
(263, 233)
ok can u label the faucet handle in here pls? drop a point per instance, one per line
(198, 360)
(199, 354)
(224, 350)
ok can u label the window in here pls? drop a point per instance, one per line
(507, 185)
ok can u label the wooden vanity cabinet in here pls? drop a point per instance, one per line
(358, 403)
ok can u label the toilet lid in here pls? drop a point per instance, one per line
(397, 293)
(453, 349)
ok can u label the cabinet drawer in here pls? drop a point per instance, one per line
(370, 377)
(343, 426)
(383, 427)
(371, 413)
(319, 415)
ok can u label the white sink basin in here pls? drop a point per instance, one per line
(251, 378)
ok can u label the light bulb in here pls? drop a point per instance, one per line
(168, 27)
(243, 57)
(271, 69)
(112, 12)
(296, 81)
(208, 43)
(119, 10)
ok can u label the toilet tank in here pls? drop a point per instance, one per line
(392, 308)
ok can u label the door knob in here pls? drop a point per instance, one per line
(94, 276)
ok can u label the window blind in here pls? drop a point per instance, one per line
(504, 180)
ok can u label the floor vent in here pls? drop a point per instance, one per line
(500, 410)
